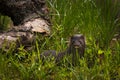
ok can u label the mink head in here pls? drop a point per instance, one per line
(77, 41)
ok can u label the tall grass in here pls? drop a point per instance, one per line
(84, 16)
(96, 21)
(4, 22)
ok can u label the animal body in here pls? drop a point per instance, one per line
(48, 54)
(76, 46)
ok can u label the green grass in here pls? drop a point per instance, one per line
(96, 22)
(4, 22)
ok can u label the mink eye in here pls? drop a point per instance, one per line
(73, 41)
(81, 42)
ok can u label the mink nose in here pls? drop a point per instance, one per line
(76, 44)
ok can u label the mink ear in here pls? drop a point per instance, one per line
(82, 37)
(71, 37)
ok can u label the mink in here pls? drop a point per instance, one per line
(76, 45)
